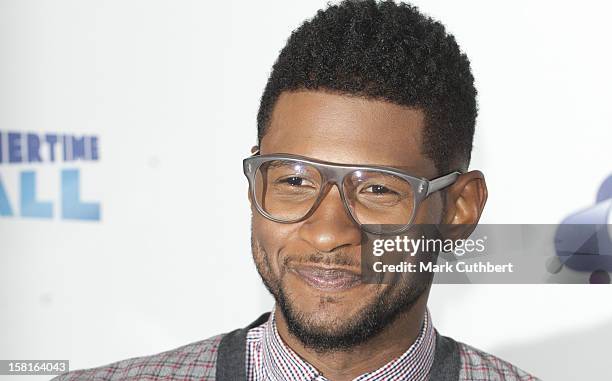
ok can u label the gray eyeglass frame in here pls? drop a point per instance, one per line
(334, 173)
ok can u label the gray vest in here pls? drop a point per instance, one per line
(231, 356)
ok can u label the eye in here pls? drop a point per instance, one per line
(294, 181)
(377, 189)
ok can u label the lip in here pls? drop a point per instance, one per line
(328, 279)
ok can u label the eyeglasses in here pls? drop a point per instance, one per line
(288, 188)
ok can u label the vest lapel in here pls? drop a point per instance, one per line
(231, 356)
(447, 363)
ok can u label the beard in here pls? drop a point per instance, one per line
(345, 333)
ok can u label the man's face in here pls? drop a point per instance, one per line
(307, 265)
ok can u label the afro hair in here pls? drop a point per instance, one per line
(385, 51)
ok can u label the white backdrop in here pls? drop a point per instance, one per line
(171, 89)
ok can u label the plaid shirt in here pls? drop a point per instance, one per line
(197, 362)
(269, 359)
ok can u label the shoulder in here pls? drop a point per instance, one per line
(195, 361)
(477, 365)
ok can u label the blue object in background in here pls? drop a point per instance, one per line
(583, 241)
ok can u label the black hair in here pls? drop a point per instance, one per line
(386, 51)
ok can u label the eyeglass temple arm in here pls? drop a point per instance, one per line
(442, 182)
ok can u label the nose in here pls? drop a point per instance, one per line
(330, 227)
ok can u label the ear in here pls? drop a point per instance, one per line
(254, 149)
(465, 201)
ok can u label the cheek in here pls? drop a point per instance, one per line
(272, 237)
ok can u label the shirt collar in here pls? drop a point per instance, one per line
(282, 363)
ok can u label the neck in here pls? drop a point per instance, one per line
(391, 343)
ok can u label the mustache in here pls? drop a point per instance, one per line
(335, 258)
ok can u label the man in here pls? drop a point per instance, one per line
(365, 101)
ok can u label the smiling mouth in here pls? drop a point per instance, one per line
(328, 279)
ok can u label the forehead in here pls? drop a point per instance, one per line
(347, 129)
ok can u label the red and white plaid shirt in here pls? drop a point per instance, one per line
(269, 358)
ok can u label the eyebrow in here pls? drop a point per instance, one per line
(282, 162)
